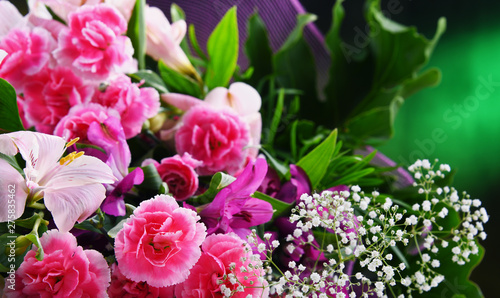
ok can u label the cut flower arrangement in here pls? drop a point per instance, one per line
(135, 162)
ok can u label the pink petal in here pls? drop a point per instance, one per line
(72, 204)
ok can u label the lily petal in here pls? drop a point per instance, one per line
(181, 101)
(83, 170)
(243, 98)
(13, 192)
(40, 151)
(71, 204)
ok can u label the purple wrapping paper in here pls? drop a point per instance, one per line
(278, 15)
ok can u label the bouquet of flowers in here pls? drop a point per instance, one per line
(138, 162)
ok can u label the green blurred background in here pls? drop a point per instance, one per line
(457, 122)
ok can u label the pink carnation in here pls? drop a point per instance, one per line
(220, 251)
(27, 53)
(65, 271)
(77, 122)
(159, 243)
(122, 287)
(179, 174)
(134, 105)
(94, 43)
(215, 137)
(49, 96)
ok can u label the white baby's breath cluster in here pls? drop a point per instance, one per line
(367, 240)
(439, 203)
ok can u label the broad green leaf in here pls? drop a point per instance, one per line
(114, 230)
(351, 69)
(222, 49)
(136, 31)
(151, 79)
(9, 113)
(152, 180)
(258, 50)
(376, 70)
(177, 82)
(294, 67)
(279, 207)
(401, 51)
(376, 124)
(429, 78)
(316, 162)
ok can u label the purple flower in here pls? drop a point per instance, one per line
(299, 184)
(271, 184)
(233, 210)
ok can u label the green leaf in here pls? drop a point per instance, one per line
(151, 79)
(278, 111)
(218, 182)
(278, 166)
(222, 48)
(35, 239)
(294, 67)
(376, 71)
(350, 73)
(429, 78)
(316, 162)
(152, 180)
(9, 114)
(195, 44)
(400, 50)
(176, 13)
(258, 50)
(279, 207)
(136, 31)
(177, 82)
(114, 230)
(377, 124)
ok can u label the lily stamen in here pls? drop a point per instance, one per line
(70, 157)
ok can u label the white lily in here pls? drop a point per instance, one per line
(71, 186)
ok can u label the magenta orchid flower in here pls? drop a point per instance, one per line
(71, 186)
(233, 210)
